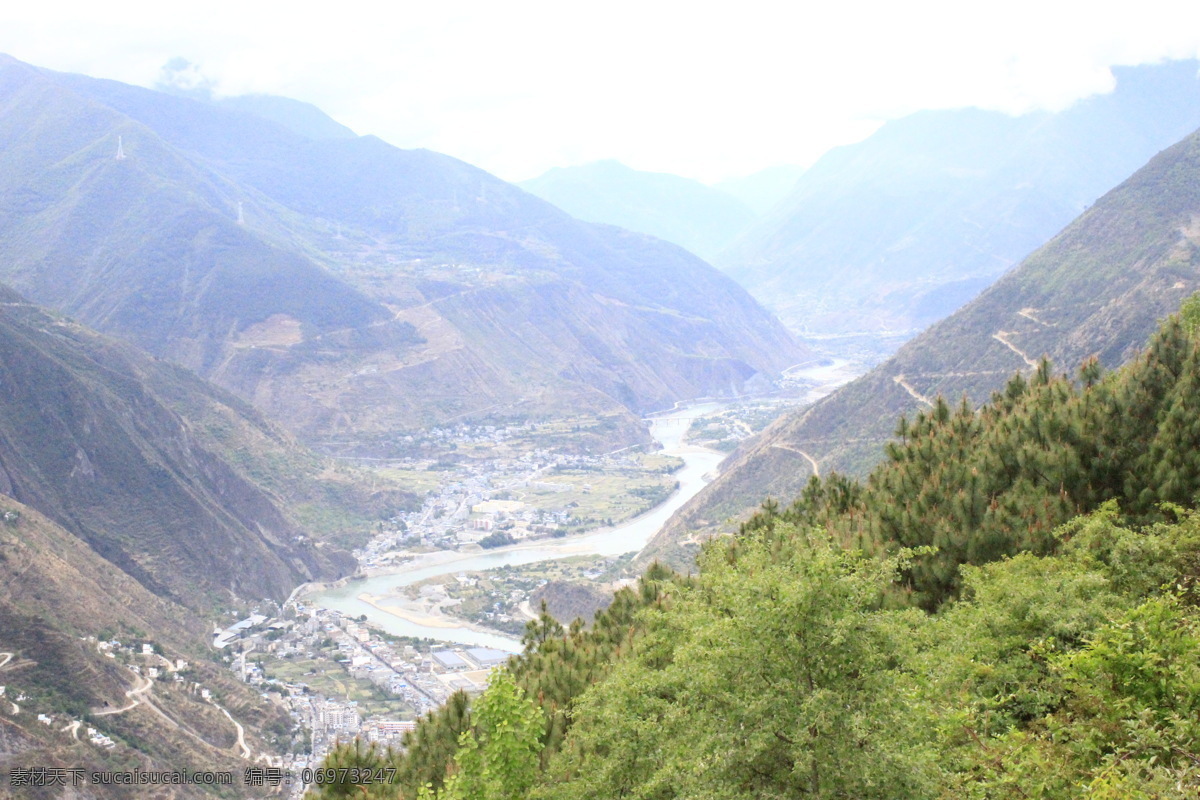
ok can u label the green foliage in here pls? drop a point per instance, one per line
(498, 757)
(496, 539)
(1189, 313)
(1127, 723)
(781, 671)
(982, 484)
(774, 675)
(350, 759)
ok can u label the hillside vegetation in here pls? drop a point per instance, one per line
(1053, 532)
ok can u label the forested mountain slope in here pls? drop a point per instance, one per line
(349, 288)
(1096, 289)
(1053, 530)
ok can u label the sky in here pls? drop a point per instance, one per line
(708, 91)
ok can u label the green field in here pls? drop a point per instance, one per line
(419, 481)
(599, 497)
(330, 679)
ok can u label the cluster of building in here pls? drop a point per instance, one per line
(420, 677)
(432, 441)
(478, 497)
(484, 497)
(141, 659)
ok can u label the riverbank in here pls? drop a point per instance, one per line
(386, 610)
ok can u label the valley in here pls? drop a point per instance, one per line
(366, 658)
(335, 465)
(433, 611)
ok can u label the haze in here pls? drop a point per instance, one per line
(520, 88)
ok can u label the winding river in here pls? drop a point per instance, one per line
(383, 589)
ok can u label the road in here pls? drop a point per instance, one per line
(1027, 313)
(812, 461)
(137, 696)
(1002, 338)
(899, 379)
(132, 694)
(241, 733)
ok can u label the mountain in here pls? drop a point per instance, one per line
(137, 502)
(897, 231)
(1097, 289)
(346, 287)
(762, 190)
(87, 441)
(1006, 603)
(60, 599)
(300, 118)
(699, 218)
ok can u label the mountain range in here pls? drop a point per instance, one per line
(895, 232)
(346, 287)
(701, 219)
(258, 275)
(1096, 289)
(332, 283)
(137, 503)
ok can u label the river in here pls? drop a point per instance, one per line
(384, 589)
(386, 605)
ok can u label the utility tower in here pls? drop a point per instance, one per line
(241, 214)
(120, 149)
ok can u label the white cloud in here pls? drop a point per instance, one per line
(702, 91)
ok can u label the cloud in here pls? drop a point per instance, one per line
(182, 77)
(704, 91)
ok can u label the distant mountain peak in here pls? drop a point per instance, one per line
(896, 231)
(680, 210)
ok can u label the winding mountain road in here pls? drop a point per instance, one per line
(812, 461)
(134, 695)
(1027, 313)
(241, 733)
